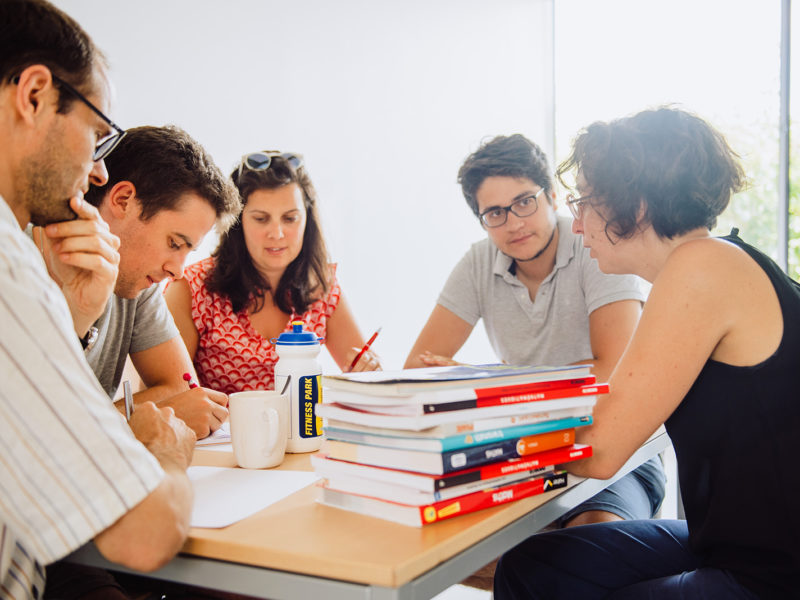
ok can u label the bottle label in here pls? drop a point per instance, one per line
(309, 393)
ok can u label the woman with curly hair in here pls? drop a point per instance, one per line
(714, 358)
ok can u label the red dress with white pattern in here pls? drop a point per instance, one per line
(231, 355)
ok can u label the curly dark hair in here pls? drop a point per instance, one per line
(34, 32)
(306, 278)
(504, 156)
(668, 161)
(164, 163)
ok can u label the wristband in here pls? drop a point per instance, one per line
(90, 338)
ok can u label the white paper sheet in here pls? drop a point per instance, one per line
(220, 436)
(226, 447)
(223, 496)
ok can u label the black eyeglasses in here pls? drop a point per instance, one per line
(522, 207)
(107, 144)
(576, 205)
(261, 161)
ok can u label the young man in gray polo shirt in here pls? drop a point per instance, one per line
(542, 298)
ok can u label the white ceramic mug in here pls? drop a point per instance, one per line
(259, 428)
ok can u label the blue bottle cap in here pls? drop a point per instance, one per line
(297, 336)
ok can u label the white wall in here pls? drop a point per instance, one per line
(384, 99)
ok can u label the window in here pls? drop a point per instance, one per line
(714, 58)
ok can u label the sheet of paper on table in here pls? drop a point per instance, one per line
(223, 496)
(220, 436)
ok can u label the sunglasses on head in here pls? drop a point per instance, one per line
(261, 161)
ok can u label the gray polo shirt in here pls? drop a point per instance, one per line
(552, 329)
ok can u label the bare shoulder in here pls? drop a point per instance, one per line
(708, 248)
(701, 287)
(178, 293)
(711, 264)
(178, 286)
(727, 285)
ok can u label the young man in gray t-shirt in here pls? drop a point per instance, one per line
(542, 298)
(162, 196)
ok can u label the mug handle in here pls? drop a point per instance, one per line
(273, 421)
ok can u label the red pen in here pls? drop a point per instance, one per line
(187, 377)
(364, 349)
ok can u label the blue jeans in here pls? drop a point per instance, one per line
(624, 560)
(638, 495)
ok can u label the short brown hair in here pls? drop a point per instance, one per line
(164, 163)
(34, 32)
(671, 162)
(504, 156)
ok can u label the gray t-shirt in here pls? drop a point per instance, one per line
(554, 328)
(128, 326)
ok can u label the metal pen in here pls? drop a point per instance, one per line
(126, 388)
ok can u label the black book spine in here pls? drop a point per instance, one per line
(448, 406)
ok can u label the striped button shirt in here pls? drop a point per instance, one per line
(69, 464)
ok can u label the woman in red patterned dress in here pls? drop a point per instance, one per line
(269, 269)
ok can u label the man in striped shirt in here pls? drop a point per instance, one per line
(72, 469)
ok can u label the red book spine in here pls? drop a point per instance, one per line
(523, 388)
(538, 460)
(447, 509)
(537, 395)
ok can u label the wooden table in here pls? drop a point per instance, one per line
(298, 549)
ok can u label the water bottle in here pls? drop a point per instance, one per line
(297, 361)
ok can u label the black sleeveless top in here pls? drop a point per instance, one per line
(737, 439)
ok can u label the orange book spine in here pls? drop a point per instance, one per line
(545, 441)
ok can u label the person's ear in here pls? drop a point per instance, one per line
(35, 89)
(641, 213)
(551, 197)
(120, 201)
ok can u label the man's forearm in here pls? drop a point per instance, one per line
(159, 392)
(152, 533)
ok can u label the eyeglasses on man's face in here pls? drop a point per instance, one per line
(108, 143)
(261, 161)
(576, 205)
(521, 207)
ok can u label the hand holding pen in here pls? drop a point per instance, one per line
(366, 360)
(218, 397)
(204, 410)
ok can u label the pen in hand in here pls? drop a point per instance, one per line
(187, 377)
(364, 349)
(126, 387)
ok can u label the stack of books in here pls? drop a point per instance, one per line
(422, 445)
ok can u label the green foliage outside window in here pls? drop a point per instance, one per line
(754, 211)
